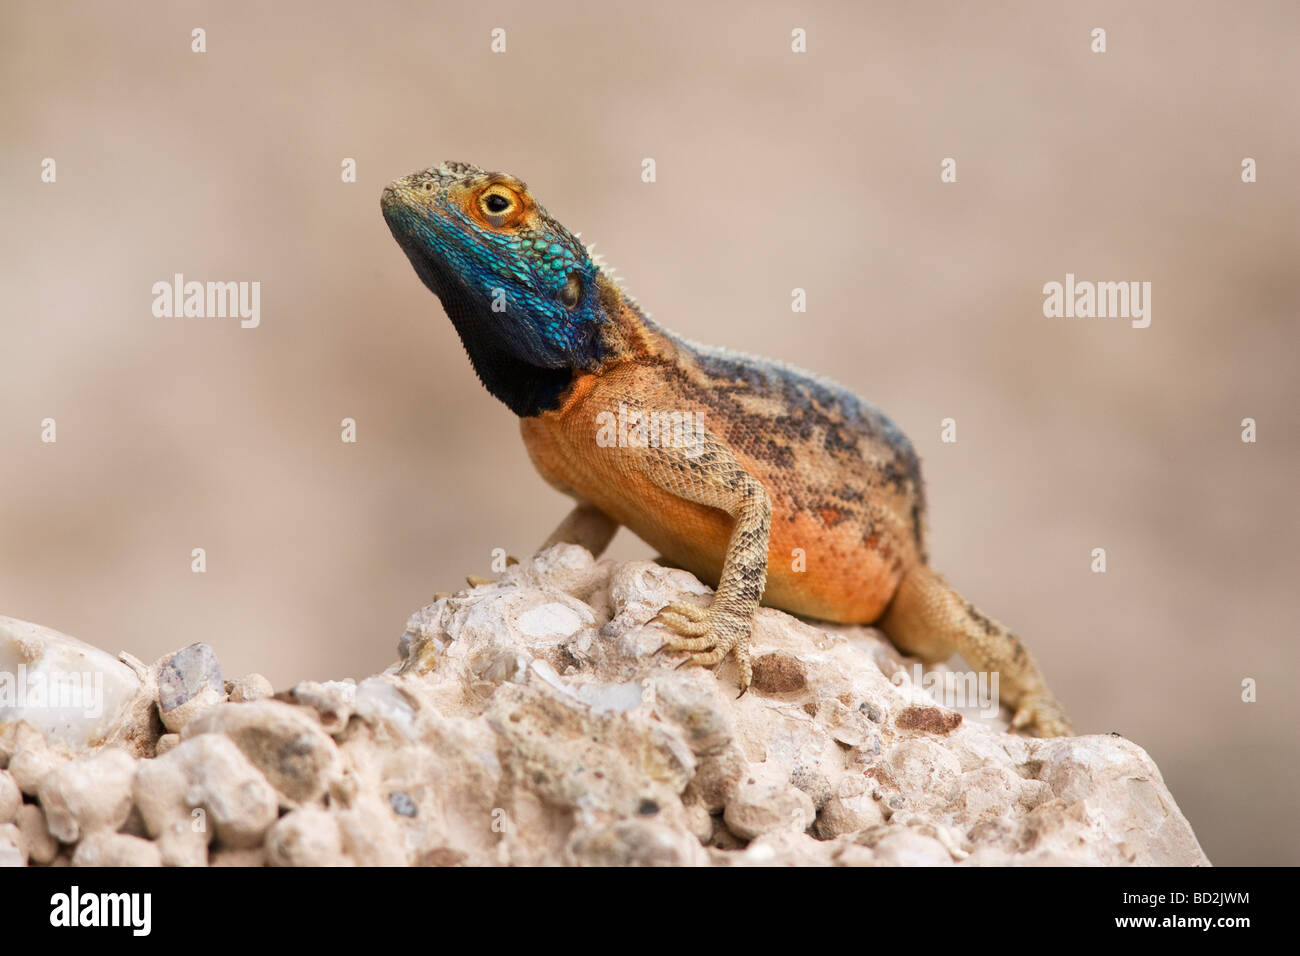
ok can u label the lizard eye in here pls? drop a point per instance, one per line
(571, 291)
(498, 205)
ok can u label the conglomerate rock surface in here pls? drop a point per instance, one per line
(533, 721)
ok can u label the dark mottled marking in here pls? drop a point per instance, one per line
(988, 626)
(849, 494)
(848, 427)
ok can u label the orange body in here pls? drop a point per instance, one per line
(825, 559)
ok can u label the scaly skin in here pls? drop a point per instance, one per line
(783, 488)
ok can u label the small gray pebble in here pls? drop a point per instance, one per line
(402, 804)
(183, 675)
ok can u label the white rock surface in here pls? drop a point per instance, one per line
(73, 693)
(532, 721)
(84, 796)
(13, 850)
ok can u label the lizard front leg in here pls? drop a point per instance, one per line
(706, 472)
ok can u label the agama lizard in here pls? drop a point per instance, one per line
(782, 488)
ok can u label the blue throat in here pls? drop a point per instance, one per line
(529, 376)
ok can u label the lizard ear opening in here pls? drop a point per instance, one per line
(571, 291)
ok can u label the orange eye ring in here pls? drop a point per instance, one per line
(498, 205)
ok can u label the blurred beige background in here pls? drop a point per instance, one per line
(775, 170)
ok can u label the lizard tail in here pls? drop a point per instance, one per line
(929, 619)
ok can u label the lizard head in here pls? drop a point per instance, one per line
(520, 289)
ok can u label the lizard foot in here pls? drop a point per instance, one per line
(707, 637)
(1043, 715)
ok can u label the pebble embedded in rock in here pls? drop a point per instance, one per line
(40, 844)
(758, 808)
(13, 851)
(203, 788)
(252, 687)
(306, 837)
(779, 674)
(82, 796)
(11, 798)
(850, 809)
(402, 804)
(286, 743)
(116, 849)
(72, 693)
(189, 682)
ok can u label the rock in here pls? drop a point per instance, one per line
(934, 720)
(370, 834)
(72, 693)
(116, 849)
(252, 687)
(13, 849)
(11, 798)
(284, 742)
(333, 702)
(779, 848)
(189, 682)
(32, 761)
(203, 789)
(694, 703)
(908, 847)
(598, 766)
(636, 843)
(716, 776)
(245, 856)
(533, 721)
(38, 842)
(922, 773)
(854, 806)
(779, 674)
(84, 796)
(381, 702)
(305, 837)
(757, 808)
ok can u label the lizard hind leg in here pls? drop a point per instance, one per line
(585, 525)
(928, 618)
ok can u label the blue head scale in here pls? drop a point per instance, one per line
(519, 287)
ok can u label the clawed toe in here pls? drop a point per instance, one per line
(682, 625)
(706, 639)
(680, 609)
